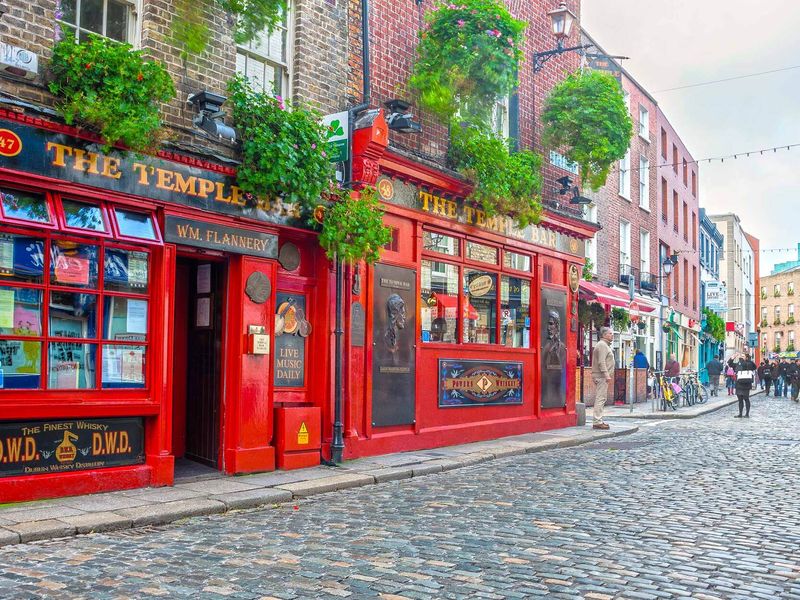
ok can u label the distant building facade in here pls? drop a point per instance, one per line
(713, 294)
(778, 317)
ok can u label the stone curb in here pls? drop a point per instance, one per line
(162, 513)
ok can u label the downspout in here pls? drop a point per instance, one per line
(337, 445)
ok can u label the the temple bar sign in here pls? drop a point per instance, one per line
(202, 234)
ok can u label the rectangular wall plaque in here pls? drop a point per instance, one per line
(38, 447)
(202, 234)
(479, 383)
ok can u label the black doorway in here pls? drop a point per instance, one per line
(198, 356)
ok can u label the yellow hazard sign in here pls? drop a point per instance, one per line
(302, 435)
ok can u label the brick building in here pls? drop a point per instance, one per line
(625, 250)
(677, 182)
(753, 328)
(780, 330)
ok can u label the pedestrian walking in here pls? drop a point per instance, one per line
(602, 373)
(777, 378)
(672, 368)
(784, 369)
(714, 369)
(764, 375)
(745, 372)
(730, 377)
(794, 375)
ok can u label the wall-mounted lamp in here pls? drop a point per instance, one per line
(209, 117)
(399, 117)
(566, 186)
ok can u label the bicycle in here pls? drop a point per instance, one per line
(667, 393)
(692, 390)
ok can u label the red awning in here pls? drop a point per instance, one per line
(594, 292)
(451, 302)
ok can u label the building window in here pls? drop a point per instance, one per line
(591, 244)
(110, 18)
(663, 144)
(777, 315)
(624, 243)
(685, 221)
(694, 230)
(500, 121)
(694, 287)
(694, 184)
(265, 60)
(685, 173)
(625, 176)
(489, 306)
(685, 282)
(644, 183)
(627, 99)
(644, 123)
(664, 200)
(776, 290)
(644, 251)
(791, 311)
(763, 316)
(675, 216)
(790, 288)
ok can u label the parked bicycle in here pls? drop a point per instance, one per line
(692, 390)
(664, 392)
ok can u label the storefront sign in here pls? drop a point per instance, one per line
(80, 161)
(59, 446)
(404, 194)
(357, 327)
(336, 126)
(480, 286)
(716, 296)
(478, 383)
(290, 346)
(203, 234)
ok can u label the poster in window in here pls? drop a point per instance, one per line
(290, 345)
(137, 269)
(203, 313)
(553, 331)
(136, 316)
(72, 270)
(132, 365)
(6, 255)
(6, 309)
(203, 279)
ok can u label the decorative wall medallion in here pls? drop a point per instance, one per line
(258, 287)
(289, 256)
(574, 279)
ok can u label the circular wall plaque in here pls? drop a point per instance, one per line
(258, 287)
(574, 279)
(289, 256)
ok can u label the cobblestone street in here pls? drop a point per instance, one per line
(704, 508)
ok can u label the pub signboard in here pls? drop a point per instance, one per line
(479, 382)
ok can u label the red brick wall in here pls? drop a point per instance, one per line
(675, 240)
(612, 207)
(394, 29)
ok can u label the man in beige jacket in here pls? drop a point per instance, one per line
(602, 372)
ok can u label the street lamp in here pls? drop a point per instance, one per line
(561, 20)
(666, 268)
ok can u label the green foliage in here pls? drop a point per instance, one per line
(790, 321)
(715, 325)
(254, 16)
(283, 152)
(353, 227)
(111, 87)
(790, 347)
(585, 117)
(189, 32)
(599, 315)
(505, 183)
(588, 266)
(620, 318)
(467, 57)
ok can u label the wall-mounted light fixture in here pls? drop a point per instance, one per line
(399, 117)
(209, 117)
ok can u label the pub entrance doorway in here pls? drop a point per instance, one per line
(198, 354)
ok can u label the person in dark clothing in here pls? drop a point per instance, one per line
(778, 377)
(765, 373)
(787, 383)
(762, 369)
(745, 371)
(640, 361)
(714, 368)
(794, 376)
(773, 371)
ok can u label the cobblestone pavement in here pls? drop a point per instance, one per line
(708, 508)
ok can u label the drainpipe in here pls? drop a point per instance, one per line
(337, 445)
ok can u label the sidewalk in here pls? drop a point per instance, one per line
(62, 517)
(644, 410)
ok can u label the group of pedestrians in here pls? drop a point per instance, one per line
(782, 375)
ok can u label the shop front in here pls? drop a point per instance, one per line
(150, 314)
(468, 320)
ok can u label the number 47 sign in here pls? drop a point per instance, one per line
(10, 144)
(337, 128)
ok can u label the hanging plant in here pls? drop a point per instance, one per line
(505, 183)
(715, 325)
(283, 151)
(353, 228)
(599, 315)
(586, 119)
(620, 318)
(588, 268)
(109, 86)
(467, 57)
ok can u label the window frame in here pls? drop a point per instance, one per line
(131, 34)
(285, 66)
(625, 176)
(644, 123)
(17, 222)
(117, 231)
(71, 229)
(644, 183)
(463, 263)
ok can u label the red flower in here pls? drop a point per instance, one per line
(88, 65)
(139, 77)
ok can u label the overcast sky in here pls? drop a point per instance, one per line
(680, 42)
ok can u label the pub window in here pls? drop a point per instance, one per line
(81, 215)
(515, 312)
(481, 253)
(74, 314)
(518, 262)
(265, 60)
(438, 242)
(109, 18)
(439, 302)
(135, 224)
(480, 321)
(26, 207)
